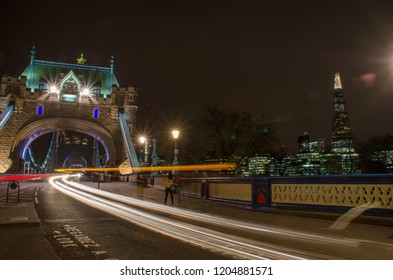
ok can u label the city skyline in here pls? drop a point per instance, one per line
(271, 58)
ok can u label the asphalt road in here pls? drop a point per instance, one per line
(77, 231)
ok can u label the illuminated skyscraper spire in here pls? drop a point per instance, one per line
(342, 141)
(337, 81)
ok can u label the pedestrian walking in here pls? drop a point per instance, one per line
(140, 184)
(169, 187)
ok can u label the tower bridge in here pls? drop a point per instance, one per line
(66, 99)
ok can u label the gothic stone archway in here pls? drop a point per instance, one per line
(38, 128)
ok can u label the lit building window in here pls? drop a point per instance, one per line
(96, 113)
(40, 110)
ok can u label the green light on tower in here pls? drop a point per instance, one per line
(81, 60)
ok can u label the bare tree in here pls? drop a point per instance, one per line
(231, 136)
(377, 154)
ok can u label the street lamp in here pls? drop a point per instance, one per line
(142, 141)
(154, 156)
(26, 170)
(175, 134)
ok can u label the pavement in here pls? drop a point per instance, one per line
(22, 213)
(19, 222)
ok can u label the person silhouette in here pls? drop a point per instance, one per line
(169, 187)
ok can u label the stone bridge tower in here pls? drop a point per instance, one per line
(55, 97)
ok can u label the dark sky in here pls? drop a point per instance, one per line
(272, 57)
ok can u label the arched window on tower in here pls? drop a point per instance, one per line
(130, 98)
(40, 110)
(96, 113)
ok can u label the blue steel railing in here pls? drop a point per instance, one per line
(128, 142)
(5, 115)
(44, 166)
(49, 155)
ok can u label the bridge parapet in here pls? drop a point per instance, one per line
(336, 194)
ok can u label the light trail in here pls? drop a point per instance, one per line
(182, 224)
(213, 240)
(129, 170)
(23, 177)
(210, 219)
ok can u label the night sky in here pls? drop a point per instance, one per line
(272, 57)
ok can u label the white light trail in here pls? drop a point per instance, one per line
(113, 204)
(182, 224)
(210, 219)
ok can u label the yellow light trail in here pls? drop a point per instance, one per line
(129, 170)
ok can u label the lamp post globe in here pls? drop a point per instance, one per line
(175, 134)
(142, 141)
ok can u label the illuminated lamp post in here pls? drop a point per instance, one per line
(26, 170)
(142, 141)
(53, 90)
(85, 92)
(175, 134)
(154, 156)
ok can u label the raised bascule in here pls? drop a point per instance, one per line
(78, 104)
